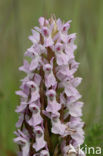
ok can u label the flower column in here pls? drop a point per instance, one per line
(49, 95)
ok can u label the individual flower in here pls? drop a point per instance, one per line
(22, 107)
(34, 91)
(46, 32)
(63, 72)
(25, 67)
(57, 126)
(61, 57)
(23, 140)
(50, 79)
(75, 109)
(53, 105)
(36, 118)
(62, 30)
(22, 94)
(78, 133)
(35, 37)
(70, 46)
(69, 89)
(20, 120)
(33, 52)
(39, 138)
(69, 150)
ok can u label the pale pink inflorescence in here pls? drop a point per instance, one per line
(49, 96)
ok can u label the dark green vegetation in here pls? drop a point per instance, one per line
(17, 17)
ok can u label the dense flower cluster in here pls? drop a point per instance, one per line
(49, 97)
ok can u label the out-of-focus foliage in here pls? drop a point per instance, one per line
(94, 138)
(17, 17)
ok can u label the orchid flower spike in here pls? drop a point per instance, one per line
(50, 101)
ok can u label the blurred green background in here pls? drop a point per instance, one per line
(17, 18)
